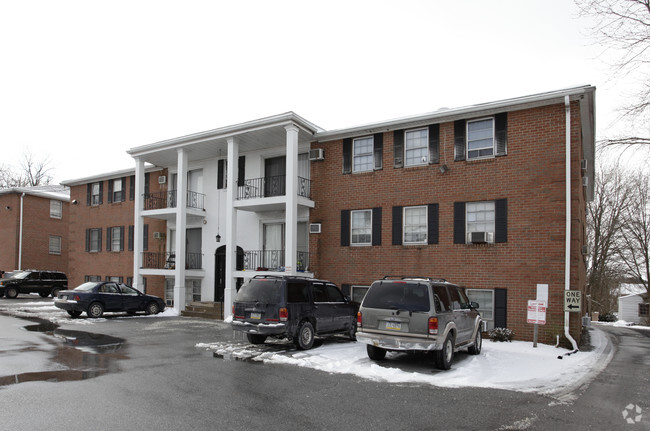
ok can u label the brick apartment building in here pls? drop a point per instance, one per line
(34, 228)
(101, 229)
(491, 196)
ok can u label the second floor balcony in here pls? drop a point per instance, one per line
(166, 260)
(271, 186)
(163, 200)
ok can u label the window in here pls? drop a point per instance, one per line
(93, 240)
(415, 225)
(485, 300)
(361, 227)
(362, 152)
(115, 236)
(480, 138)
(55, 209)
(55, 245)
(358, 293)
(88, 278)
(117, 190)
(416, 147)
(480, 217)
(644, 309)
(481, 222)
(95, 194)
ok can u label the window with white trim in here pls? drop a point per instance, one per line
(416, 147)
(415, 225)
(485, 299)
(480, 138)
(94, 240)
(357, 293)
(94, 194)
(116, 238)
(55, 244)
(56, 209)
(362, 154)
(118, 190)
(479, 217)
(361, 227)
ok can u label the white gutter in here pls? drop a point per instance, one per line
(567, 245)
(20, 235)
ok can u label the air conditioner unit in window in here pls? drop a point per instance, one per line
(585, 181)
(586, 250)
(583, 164)
(480, 238)
(316, 154)
(162, 179)
(314, 227)
(159, 235)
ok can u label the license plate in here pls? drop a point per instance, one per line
(257, 316)
(396, 326)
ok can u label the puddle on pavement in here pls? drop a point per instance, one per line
(83, 355)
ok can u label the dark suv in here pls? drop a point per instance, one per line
(44, 283)
(297, 308)
(418, 314)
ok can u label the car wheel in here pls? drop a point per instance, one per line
(74, 313)
(478, 342)
(55, 292)
(152, 308)
(445, 356)
(11, 292)
(43, 294)
(375, 353)
(256, 338)
(305, 338)
(95, 310)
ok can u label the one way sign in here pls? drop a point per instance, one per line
(572, 300)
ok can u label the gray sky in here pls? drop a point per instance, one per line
(83, 81)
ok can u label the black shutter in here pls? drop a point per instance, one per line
(145, 238)
(109, 238)
(101, 192)
(89, 188)
(459, 222)
(87, 239)
(432, 223)
(347, 156)
(397, 225)
(459, 140)
(501, 133)
(434, 143)
(110, 191)
(132, 187)
(345, 228)
(123, 197)
(131, 230)
(241, 170)
(378, 149)
(99, 244)
(221, 172)
(501, 220)
(122, 238)
(376, 226)
(147, 178)
(398, 149)
(500, 308)
(345, 289)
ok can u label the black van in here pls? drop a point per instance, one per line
(45, 283)
(297, 308)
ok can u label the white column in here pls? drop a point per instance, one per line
(231, 227)
(291, 213)
(181, 222)
(138, 222)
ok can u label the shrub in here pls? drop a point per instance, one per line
(501, 334)
(607, 317)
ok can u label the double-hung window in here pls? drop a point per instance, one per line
(118, 190)
(480, 138)
(361, 227)
(362, 154)
(55, 209)
(485, 300)
(416, 147)
(94, 243)
(480, 218)
(55, 244)
(415, 225)
(95, 194)
(116, 236)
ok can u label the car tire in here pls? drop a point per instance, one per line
(375, 353)
(445, 356)
(478, 343)
(305, 336)
(152, 308)
(11, 292)
(43, 294)
(95, 310)
(55, 292)
(256, 338)
(74, 313)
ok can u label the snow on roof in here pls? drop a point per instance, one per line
(627, 289)
(50, 191)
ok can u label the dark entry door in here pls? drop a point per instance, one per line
(220, 271)
(275, 170)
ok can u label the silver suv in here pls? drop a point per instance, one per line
(418, 314)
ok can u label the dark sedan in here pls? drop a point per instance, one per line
(96, 297)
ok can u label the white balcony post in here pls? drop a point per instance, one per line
(138, 221)
(181, 222)
(231, 226)
(291, 213)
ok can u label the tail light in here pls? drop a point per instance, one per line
(359, 319)
(284, 314)
(233, 309)
(76, 298)
(433, 325)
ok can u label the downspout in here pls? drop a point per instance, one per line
(20, 235)
(567, 245)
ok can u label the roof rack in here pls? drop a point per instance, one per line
(283, 276)
(401, 277)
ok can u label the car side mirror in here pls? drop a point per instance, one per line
(474, 305)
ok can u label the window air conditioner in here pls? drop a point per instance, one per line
(583, 164)
(585, 181)
(314, 227)
(480, 237)
(159, 235)
(316, 154)
(162, 179)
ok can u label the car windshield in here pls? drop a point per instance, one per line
(398, 295)
(21, 275)
(86, 287)
(260, 290)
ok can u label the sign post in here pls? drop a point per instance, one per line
(536, 315)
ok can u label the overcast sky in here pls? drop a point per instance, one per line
(83, 81)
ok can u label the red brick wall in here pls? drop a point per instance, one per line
(109, 263)
(530, 177)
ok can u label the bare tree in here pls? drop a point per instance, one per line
(32, 172)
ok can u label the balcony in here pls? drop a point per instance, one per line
(152, 260)
(163, 200)
(272, 260)
(271, 186)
